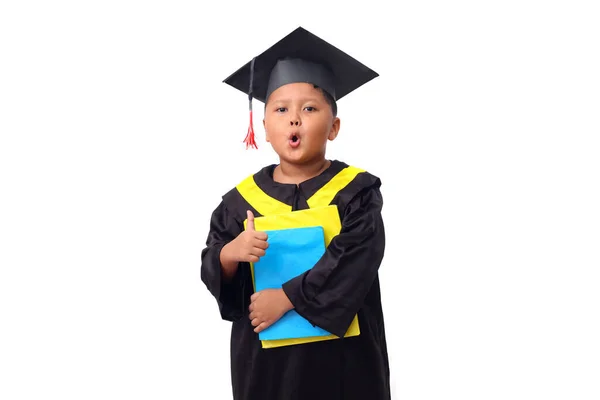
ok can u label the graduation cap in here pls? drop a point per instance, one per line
(299, 57)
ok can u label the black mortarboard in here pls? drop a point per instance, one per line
(299, 57)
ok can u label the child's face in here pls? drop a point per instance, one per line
(298, 122)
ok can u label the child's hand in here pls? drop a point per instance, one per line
(267, 306)
(249, 246)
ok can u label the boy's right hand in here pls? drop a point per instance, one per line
(249, 246)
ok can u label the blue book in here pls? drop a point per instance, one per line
(291, 252)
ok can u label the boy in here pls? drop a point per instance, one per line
(300, 79)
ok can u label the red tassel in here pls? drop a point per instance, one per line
(249, 140)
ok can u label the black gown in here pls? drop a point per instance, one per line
(343, 283)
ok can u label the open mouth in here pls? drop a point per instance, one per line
(294, 140)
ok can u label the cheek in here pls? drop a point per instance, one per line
(273, 126)
(319, 129)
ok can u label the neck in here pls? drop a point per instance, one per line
(287, 172)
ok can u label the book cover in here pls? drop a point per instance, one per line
(291, 252)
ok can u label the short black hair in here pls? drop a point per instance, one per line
(330, 100)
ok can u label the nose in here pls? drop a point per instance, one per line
(294, 119)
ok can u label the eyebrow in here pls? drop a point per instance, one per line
(302, 100)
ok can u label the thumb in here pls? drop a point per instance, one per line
(250, 225)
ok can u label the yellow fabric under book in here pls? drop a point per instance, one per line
(326, 217)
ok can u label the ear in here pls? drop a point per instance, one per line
(266, 133)
(335, 128)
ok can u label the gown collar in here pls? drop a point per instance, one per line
(264, 179)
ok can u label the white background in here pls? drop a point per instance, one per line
(118, 138)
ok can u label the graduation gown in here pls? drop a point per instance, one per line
(342, 284)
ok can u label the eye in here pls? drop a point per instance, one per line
(280, 109)
(310, 108)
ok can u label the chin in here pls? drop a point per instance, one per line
(300, 158)
(297, 156)
(292, 158)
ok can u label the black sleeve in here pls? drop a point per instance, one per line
(229, 295)
(330, 294)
